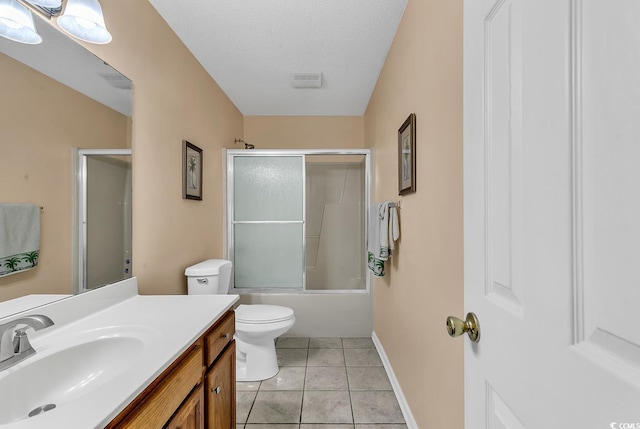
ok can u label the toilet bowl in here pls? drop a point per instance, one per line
(257, 325)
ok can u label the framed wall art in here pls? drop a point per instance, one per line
(191, 171)
(407, 156)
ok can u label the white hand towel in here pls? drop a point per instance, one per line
(19, 237)
(394, 228)
(383, 232)
(389, 230)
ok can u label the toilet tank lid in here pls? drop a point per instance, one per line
(207, 268)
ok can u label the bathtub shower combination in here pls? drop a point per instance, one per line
(296, 220)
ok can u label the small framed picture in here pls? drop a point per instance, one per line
(407, 156)
(191, 171)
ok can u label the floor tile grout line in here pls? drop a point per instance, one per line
(304, 384)
(252, 404)
(346, 373)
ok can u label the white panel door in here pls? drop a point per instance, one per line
(552, 213)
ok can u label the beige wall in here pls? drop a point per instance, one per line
(423, 74)
(304, 132)
(174, 99)
(40, 121)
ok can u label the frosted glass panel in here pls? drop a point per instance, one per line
(268, 188)
(268, 256)
(335, 222)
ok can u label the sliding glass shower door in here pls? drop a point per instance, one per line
(296, 220)
(268, 222)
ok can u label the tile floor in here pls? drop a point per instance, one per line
(323, 383)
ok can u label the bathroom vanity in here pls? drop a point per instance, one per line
(116, 359)
(196, 391)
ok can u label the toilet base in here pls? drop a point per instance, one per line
(257, 361)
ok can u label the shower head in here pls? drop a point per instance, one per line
(246, 145)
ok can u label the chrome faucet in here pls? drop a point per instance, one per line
(13, 349)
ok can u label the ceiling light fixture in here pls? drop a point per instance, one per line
(16, 23)
(83, 19)
(51, 4)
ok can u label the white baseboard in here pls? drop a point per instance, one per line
(402, 401)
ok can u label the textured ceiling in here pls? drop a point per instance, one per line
(250, 47)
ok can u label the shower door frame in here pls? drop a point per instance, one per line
(79, 273)
(229, 222)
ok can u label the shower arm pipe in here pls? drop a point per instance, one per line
(246, 145)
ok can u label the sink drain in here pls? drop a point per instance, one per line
(42, 409)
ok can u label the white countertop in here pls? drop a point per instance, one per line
(170, 325)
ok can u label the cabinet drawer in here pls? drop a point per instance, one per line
(165, 399)
(218, 337)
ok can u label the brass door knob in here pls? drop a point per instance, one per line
(470, 325)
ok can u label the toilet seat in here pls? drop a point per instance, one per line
(262, 313)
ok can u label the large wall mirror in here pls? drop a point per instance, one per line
(57, 98)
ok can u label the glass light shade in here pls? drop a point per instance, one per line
(16, 23)
(83, 19)
(51, 4)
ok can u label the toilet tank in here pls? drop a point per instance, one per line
(210, 277)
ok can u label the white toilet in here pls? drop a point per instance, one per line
(257, 325)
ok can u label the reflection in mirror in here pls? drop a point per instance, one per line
(64, 60)
(104, 214)
(56, 96)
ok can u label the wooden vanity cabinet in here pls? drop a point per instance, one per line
(196, 392)
(220, 376)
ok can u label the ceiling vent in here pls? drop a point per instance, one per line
(306, 80)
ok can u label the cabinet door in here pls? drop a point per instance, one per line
(221, 391)
(190, 415)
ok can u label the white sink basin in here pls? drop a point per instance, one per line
(62, 371)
